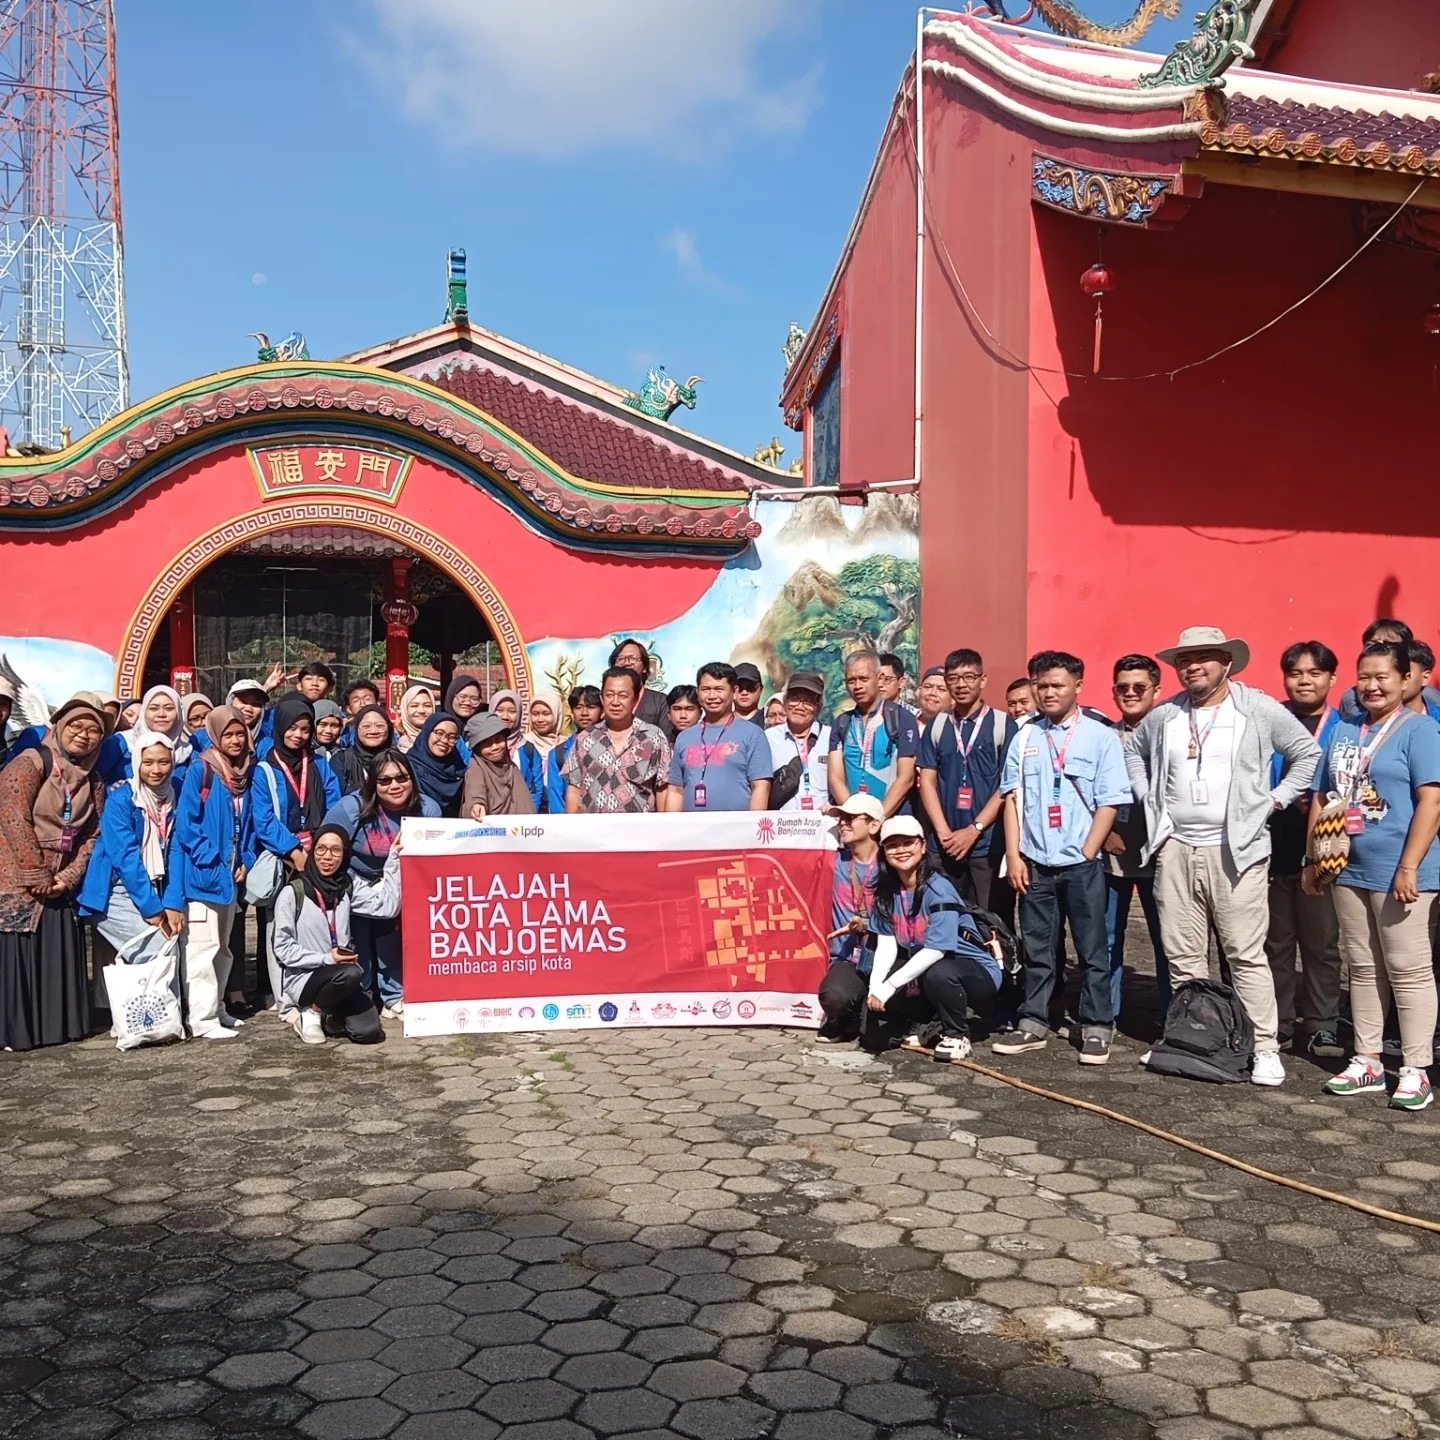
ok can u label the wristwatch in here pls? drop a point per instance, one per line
(979, 827)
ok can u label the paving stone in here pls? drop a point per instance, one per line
(347, 1380)
(1358, 1420)
(496, 1363)
(1295, 1378)
(612, 1411)
(253, 1372)
(584, 1337)
(723, 1419)
(434, 1390)
(824, 1425)
(351, 1420)
(790, 1390)
(1154, 1395)
(890, 1404)
(517, 1402)
(685, 1380)
(1250, 1405)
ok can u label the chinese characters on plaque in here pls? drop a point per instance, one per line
(327, 468)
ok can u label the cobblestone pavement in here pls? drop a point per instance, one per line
(712, 1234)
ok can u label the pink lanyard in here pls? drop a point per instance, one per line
(329, 919)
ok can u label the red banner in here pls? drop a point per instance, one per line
(573, 921)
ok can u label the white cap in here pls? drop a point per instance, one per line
(898, 825)
(862, 804)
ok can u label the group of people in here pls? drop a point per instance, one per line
(163, 819)
(1217, 807)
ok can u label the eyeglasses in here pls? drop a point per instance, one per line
(968, 677)
(392, 779)
(1133, 689)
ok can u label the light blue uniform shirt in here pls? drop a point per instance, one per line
(1094, 775)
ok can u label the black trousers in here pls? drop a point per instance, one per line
(339, 991)
(949, 990)
(261, 992)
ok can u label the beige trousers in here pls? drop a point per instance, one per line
(1387, 949)
(1195, 884)
(1306, 924)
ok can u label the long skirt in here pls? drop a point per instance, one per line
(44, 990)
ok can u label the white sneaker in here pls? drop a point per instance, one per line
(952, 1049)
(1267, 1069)
(214, 1032)
(312, 1029)
(395, 1010)
(915, 1042)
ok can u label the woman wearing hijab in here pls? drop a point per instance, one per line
(293, 789)
(417, 705)
(51, 800)
(215, 840)
(160, 714)
(541, 738)
(506, 704)
(131, 883)
(197, 708)
(493, 783)
(437, 762)
(129, 711)
(329, 723)
(371, 735)
(464, 699)
(320, 967)
(372, 820)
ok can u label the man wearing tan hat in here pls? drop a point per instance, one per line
(1200, 764)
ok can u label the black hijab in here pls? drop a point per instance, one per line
(439, 777)
(327, 891)
(461, 683)
(354, 762)
(288, 710)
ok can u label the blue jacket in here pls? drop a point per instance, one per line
(363, 861)
(205, 835)
(277, 811)
(1322, 734)
(118, 856)
(555, 785)
(532, 771)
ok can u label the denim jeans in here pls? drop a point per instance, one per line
(1057, 892)
(1117, 913)
(377, 942)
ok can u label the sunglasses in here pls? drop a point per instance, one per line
(1135, 689)
(392, 779)
(747, 684)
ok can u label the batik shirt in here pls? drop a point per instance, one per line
(618, 782)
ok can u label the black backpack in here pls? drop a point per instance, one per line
(1208, 1035)
(992, 927)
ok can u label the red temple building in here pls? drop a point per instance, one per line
(1245, 233)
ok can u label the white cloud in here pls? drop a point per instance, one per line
(684, 246)
(569, 76)
(259, 278)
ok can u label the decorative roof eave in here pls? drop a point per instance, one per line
(1275, 143)
(110, 465)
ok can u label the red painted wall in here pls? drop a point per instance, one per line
(973, 495)
(877, 346)
(86, 584)
(1285, 491)
(1382, 42)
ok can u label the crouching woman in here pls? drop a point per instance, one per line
(319, 966)
(926, 938)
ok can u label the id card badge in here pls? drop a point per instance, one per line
(1199, 792)
(864, 788)
(1056, 817)
(66, 843)
(303, 837)
(700, 796)
(807, 802)
(1354, 820)
(965, 797)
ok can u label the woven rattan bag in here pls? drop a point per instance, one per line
(1329, 840)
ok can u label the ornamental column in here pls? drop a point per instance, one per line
(182, 641)
(399, 615)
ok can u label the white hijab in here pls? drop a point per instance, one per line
(155, 802)
(176, 734)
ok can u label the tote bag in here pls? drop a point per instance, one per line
(143, 999)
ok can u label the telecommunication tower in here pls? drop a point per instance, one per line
(63, 364)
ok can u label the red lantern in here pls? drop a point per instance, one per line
(1095, 284)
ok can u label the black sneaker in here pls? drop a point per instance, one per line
(1018, 1042)
(1095, 1050)
(1325, 1045)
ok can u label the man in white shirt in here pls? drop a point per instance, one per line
(802, 737)
(1200, 765)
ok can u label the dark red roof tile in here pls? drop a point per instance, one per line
(588, 443)
(1333, 132)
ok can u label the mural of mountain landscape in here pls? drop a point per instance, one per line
(822, 580)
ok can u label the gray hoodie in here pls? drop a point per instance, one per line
(301, 940)
(1267, 728)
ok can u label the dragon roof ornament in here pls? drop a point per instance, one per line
(1220, 37)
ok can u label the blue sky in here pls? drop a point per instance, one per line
(633, 183)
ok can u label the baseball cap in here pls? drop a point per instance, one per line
(749, 672)
(898, 825)
(248, 687)
(808, 681)
(861, 804)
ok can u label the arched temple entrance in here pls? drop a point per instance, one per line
(317, 533)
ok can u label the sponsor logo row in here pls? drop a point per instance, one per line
(552, 1013)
